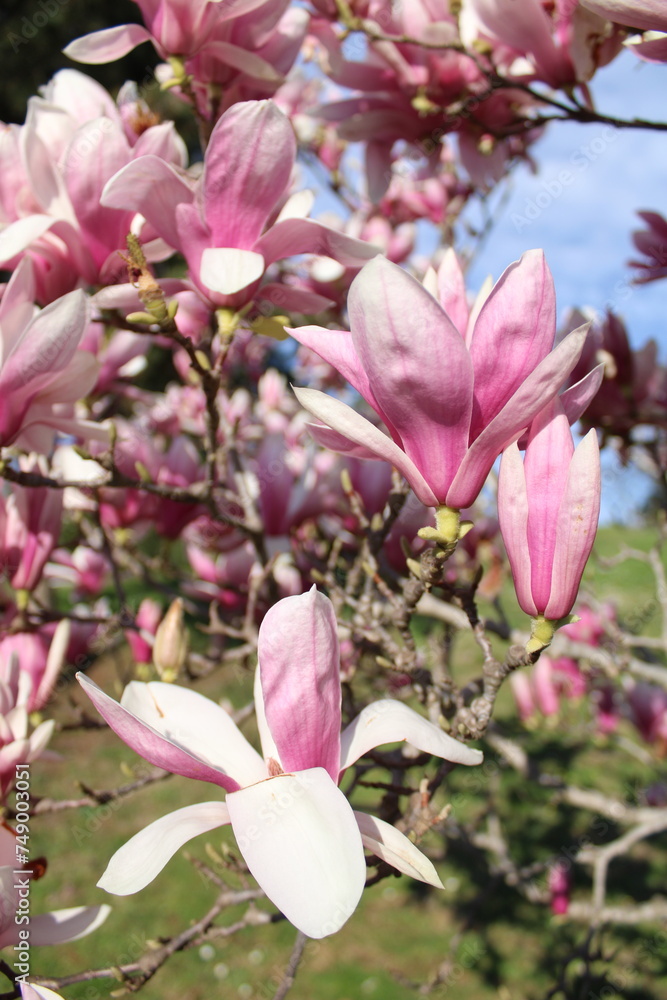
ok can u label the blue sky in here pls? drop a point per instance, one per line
(584, 224)
(585, 227)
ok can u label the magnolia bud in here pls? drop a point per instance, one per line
(170, 649)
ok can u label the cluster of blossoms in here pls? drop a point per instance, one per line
(148, 428)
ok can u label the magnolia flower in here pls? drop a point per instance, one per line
(29, 529)
(236, 219)
(453, 387)
(645, 14)
(548, 508)
(42, 374)
(296, 830)
(45, 928)
(29, 669)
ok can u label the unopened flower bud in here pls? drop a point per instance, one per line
(171, 643)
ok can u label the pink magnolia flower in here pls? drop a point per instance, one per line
(648, 711)
(645, 14)
(39, 663)
(29, 528)
(452, 387)
(560, 887)
(42, 374)
(652, 243)
(548, 508)
(235, 220)
(560, 43)
(176, 28)
(45, 928)
(296, 830)
(147, 619)
(74, 139)
(242, 47)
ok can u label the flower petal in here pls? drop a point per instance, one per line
(152, 745)
(513, 516)
(357, 429)
(577, 523)
(293, 236)
(143, 857)
(418, 366)
(390, 721)
(107, 45)
(392, 846)
(299, 663)
(197, 724)
(539, 389)
(301, 842)
(154, 188)
(514, 331)
(227, 270)
(248, 165)
(66, 925)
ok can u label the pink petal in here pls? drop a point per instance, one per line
(513, 517)
(514, 331)
(154, 188)
(389, 721)
(540, 386)
(199, 725)
(248, 166)
(547, 462)
(47, 344)
(249, 63)
(452, 291)
(151, 745)
(576, 400)
(576, 526)
(294, 236)
(299, 664)
(301, 842)
(107, 45)
(645, 14)
(143, 857)
(355, 428)
(337, 348)
(392, 846)
(292, 299)
(335, 441)
(418, 366)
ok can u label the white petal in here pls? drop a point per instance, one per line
(30, 991)
(392, 846)
(299, 837)
(389, 721)
(137, 863)
(297, 206)
(228, 270)
(66, 925)
(196, 724)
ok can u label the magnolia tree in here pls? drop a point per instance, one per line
(310, 511)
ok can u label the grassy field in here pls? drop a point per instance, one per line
(498, 945)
